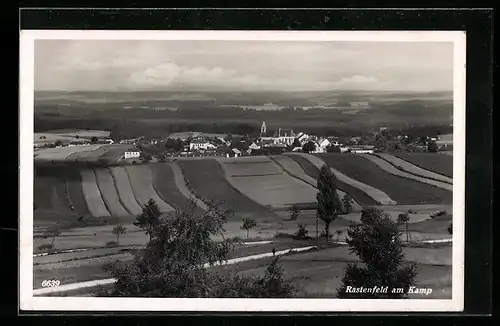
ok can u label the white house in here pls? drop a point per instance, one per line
(198, 144)
(254, 146)
(132, 154)
(323, 144)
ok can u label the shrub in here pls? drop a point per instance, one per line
(301, 232)
(111, 243)
(438, 213)
(46, 247)
(294, 213)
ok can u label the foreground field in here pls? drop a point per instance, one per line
(441, 164)
(207, 179)
(404, 191)
(317, 274)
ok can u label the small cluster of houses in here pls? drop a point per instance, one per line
(279, 141)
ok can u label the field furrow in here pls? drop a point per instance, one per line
(277, 191)
(75, 192)
(386, 166)
(435, 162)
(108, 190)
(124, 189)
(141, 179)
(404, 191)
(206, 177)
(92, 194)
(295, 170)
(413, 169)
(171, 184)
(375, 193)
(311, 170)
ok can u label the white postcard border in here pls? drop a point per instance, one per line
(28, 302)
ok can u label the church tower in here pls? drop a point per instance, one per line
(263, 128)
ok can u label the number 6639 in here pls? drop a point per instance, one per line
(50, 283)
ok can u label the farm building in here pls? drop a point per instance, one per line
(132, 154)
(366, 149)
(200, 144)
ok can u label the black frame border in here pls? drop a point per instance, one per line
(478, 25)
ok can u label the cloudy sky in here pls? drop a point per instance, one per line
(239, 66)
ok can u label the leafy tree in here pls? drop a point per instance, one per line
(296, 143)
(294, 213)
(149, 218)
(432, 147)
(53, 232)
(248, 223)
(347, 203)
(308, 147)
(119, 230)
(93, 139)
(177, 263)
(450, 229)
(404, 218)
(376, 242)
(58, 143)
(329, 205)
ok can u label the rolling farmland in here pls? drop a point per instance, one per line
(413, 169)
(109, 192)
(277, 190)
(387, 167)
(441, 164)
(358, 195)
(404, 191)
(141, 179)
(294, 169)
(124, 189)
(62, 154)
(164, 182)
(207, 178)
(92, 194)
(376, 194)
(75, 192)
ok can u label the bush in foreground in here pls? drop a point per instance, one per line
(177, 263)
(376, 241)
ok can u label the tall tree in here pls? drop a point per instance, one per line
(376, 241)
(149, 218)
(329, 205)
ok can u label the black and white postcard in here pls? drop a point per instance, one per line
(242, 170)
